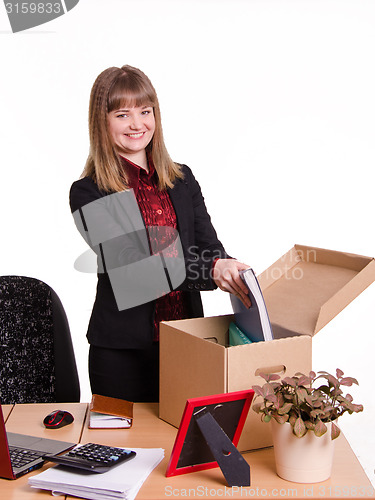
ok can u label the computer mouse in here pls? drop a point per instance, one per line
(57, 419)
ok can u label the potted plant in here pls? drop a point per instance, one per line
(304, 410)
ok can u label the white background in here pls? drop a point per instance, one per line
(271, 103)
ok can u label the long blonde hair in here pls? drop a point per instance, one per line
(115, 88)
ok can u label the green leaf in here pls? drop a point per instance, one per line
(267, 390)
(332, 380)
(339, 373)
(257, 407)
(323, 388)
(351, 407)
(299, 428)
(271, 398)
(258, 390)
(357, 408)
(335, 431)
(318, 403)
(348, 381)
(320, 428)
(301, 394)
(316, 413)
(304, 380)
(285, 409)
(290, 381)
(267, 418)
(292, 419)
(309, 400)
(281, 419)
(279, 401)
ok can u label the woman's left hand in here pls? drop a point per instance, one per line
(226, 276)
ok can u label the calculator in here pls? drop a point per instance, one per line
(92, 457)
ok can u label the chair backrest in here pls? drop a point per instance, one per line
(37, 362)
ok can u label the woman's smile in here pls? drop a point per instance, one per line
(136, 136)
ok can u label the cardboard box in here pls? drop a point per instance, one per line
(307, 287)
(303, 291)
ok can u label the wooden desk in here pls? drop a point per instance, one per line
(348, 479)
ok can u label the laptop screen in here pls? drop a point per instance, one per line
(6, 470)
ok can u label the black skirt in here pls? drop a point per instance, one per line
(131, 374)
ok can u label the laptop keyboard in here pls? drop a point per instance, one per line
(20, 457)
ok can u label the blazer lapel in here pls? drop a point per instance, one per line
(178, 195)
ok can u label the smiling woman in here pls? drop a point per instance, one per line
(132, 130)
(115, 92)
(145, 217)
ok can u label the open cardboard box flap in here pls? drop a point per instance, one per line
(307, 287)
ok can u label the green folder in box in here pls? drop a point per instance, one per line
(236, 336)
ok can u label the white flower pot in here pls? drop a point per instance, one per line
(302, 460)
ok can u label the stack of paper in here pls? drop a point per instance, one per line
(121, 482)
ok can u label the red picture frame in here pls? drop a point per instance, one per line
(190, 452)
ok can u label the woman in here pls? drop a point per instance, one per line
(140, 210)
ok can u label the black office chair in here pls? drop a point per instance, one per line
(37, 362)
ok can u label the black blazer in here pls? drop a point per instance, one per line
(133, 328)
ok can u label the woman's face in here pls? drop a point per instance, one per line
(131, 129)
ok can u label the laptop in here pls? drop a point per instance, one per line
(20, 453)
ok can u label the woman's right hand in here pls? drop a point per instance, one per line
(226, 276)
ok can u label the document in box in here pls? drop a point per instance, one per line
(121, 482)
(253, 321)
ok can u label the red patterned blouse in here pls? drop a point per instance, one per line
(157, 210)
